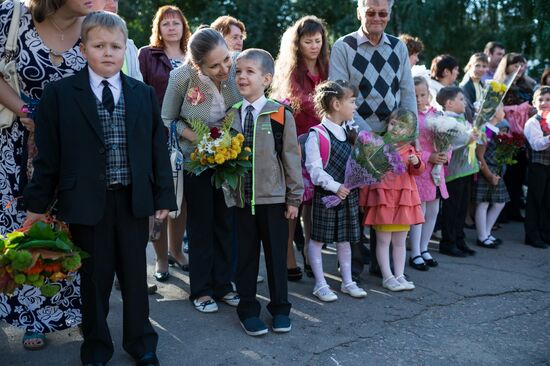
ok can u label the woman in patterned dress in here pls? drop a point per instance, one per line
(47, 50)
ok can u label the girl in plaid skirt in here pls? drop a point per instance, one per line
(490, 192)
(335, 102)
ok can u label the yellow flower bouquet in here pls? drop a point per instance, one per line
(220, 149)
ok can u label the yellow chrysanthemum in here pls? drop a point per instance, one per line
(219, 159)
(240, 137)
(247, 149)
(193, 156)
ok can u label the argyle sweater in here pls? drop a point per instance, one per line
(381, 73)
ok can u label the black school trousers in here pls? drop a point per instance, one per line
(115, 245)
(267, 227)
(537, 209)
(454, 211)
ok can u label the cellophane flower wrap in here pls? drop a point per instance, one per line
(371, 159)
(444, 132)
(39, 255)
(219, 149)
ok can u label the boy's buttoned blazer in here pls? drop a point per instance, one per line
(72, 152)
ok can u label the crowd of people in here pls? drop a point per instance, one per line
(93, 117)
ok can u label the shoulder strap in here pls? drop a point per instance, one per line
(324, 143)
(278, 126)
(14, 29)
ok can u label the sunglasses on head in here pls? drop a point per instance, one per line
(382, 14)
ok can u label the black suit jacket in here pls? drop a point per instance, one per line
(469, 91)
(71, 161)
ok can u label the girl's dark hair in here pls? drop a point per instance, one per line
(440, 64)
(201, 43)
(326, 91)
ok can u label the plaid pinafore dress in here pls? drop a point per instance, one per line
(340, 223)
(483, 190)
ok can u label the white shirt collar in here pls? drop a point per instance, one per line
(362, 38)
(95, 80)
(258, 104)
(338, 131)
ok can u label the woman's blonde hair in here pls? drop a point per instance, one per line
(163, 12)
(41, 9)
(289, 59)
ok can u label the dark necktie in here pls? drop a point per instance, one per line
(248, 129)
(107, 97)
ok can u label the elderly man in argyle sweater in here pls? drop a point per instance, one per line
(378, 65)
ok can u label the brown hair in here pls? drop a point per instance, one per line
(476, 57)
(290, 58)
(440, 64)
(329, 90)
(539, 92)
(414, 44)
(201, 43)
(223, 25)
(508, 59)
(164, 12)
(545, 75)
(40, 9)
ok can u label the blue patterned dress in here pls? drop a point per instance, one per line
(27, 308)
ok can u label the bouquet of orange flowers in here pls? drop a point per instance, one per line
(219, 149)
(38, 255)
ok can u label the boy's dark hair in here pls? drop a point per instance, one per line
(447, 93)
(545, 89)
(261, 57)
(440, 64)
(490, 47)
(326, 91)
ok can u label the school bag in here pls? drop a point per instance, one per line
(324, 150)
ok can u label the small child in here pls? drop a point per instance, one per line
(458, 179)
(490, 192)
(537, 209)
(393, 205)
(272, 192)
(429, 192)
(335, 102)
(102, 155)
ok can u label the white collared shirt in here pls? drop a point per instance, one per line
(534, 134)
(314, 162)
(115, 84)
(362, 38)
(258, 105)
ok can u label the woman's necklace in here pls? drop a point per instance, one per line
(56, 58)
(62, 31)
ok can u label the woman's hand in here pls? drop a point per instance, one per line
(342, 192)
(188, 134)
(28, 123)
(437, 158)
(413, 159)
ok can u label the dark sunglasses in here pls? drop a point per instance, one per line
(382, 14)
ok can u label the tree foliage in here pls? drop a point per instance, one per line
(458, 27)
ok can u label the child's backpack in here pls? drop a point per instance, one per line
(324, 150)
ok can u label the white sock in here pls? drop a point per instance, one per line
(383, 240)
(344, 258)
(430, 217)
(315, 259)
(492, 216)
(481, 220)
(399, 252)
(415, 236)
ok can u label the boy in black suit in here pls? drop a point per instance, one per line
(103, 156)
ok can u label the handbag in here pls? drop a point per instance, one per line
(8, 65)
(176, 160)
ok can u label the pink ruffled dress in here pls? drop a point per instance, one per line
(425, 183)
(395, 200)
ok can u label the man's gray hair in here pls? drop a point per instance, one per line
(362, 4)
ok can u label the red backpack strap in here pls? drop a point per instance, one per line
(324, 143)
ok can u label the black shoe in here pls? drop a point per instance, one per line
(148, 359)
(419, 266)
(162, 276)
(536, 243)
(173, 262)
(497, 241)
(430, 262)
(254, 326)
(466, 249)
(487, 243)
(452, 251)
(281, 323)
(294, 274)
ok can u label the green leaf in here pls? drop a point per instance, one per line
(41, 230)
(231, 179)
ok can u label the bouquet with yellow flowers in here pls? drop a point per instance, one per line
(219, 149)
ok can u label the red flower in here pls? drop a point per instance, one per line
(195, 96)
(215, 133)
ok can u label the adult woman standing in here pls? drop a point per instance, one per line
(444, 71)
(166, 52)
(303, 55)
(47, 49)
(202, 89)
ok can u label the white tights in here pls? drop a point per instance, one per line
(421, 233)
(486, 217)
(383, 240)
(316, 262)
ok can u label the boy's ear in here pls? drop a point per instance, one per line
(268, 78)
(83, 50)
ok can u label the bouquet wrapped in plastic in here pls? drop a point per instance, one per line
(445, 132)
(39, 255)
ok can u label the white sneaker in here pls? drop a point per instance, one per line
(324, 293)
(353, 290)
(207, 306)
(408, 285)
(231, 299)
(392, 284)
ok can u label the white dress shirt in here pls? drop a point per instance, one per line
(533, 133)
(115, 84)
(217, 111)
(258, 105)
(314, 163)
